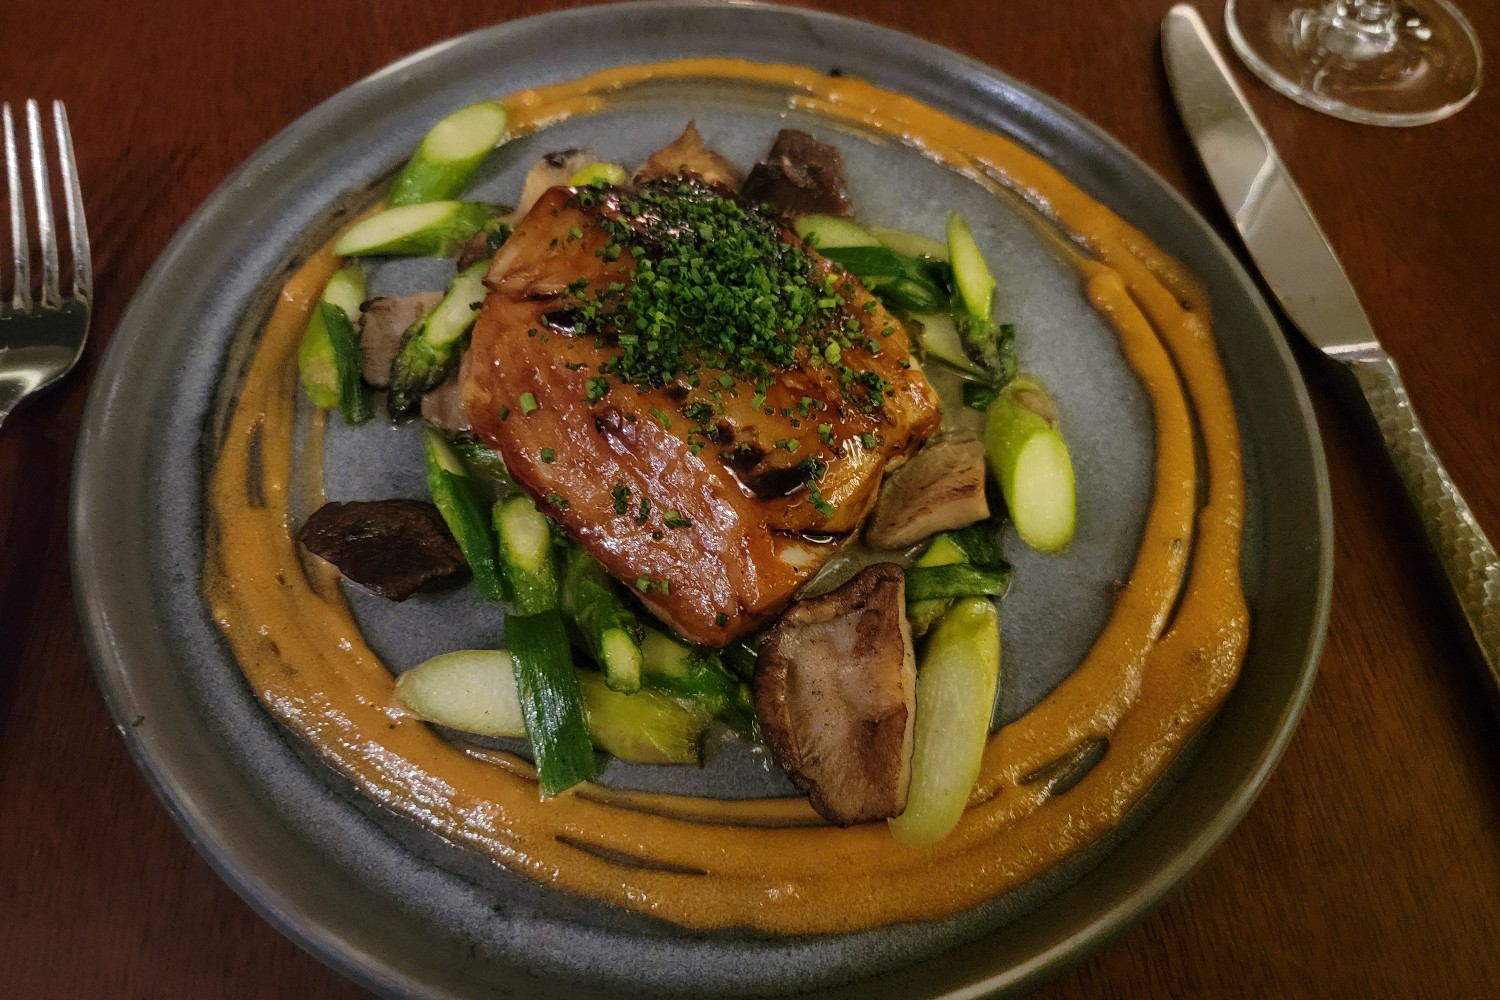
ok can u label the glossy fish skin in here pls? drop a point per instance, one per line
(710, 520)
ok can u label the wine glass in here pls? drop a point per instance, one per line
(1381, 62)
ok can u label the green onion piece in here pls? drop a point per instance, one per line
(551, 702)
(928, 583)
(463, 511)
(354, 405)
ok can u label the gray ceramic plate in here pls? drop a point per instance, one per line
(408, 915)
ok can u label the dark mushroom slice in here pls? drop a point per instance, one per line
(384, 321)
(394, 548)
(687, 156)
(835, 689)
(941, 488)
(800, 176)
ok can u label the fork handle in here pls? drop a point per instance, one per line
(1467, 556)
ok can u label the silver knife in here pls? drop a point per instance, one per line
(1302, 272)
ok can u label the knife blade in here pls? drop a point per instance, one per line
(1303, 273)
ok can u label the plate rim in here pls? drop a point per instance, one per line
(111, 670)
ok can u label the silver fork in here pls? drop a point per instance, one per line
(42, 336)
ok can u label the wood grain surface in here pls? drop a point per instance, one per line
(1370, 865)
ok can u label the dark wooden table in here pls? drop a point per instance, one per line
(1370, 865)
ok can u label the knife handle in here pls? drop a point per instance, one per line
(1468, 559)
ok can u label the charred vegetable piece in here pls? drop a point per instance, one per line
(449, 154)
(800, 176)
(471, 690)
(644, 727)
(1030, 460)
(551, 701)
(329, 359)
(834, 694)
(392, 547)
(429, 349)
(955, 698)
(526, 557)
(463, 511)
(427, 229)
(611, 632)
(939, 489)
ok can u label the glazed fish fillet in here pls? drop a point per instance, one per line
(720, 491)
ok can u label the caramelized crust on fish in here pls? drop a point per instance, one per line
(708, 494)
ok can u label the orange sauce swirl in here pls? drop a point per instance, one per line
(1168, 655)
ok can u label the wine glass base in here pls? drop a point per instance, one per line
(1420, 66)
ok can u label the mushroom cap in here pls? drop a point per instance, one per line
(835, 688)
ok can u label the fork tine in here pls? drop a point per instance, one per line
(42, 200)
(20, 297)
(78, 229)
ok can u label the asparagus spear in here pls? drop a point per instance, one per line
(472, 690)
(329, 359)
(427, 229)
(910, 244)
(429, 348)
(696, 672)
(457, 500)
(526, 558)
(610, 631)
(645, 727)
(1029, 459)
(449, 154)
(956, 684)
(475, 691)
(976, 286)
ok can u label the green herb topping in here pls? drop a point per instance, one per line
(715, 283)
